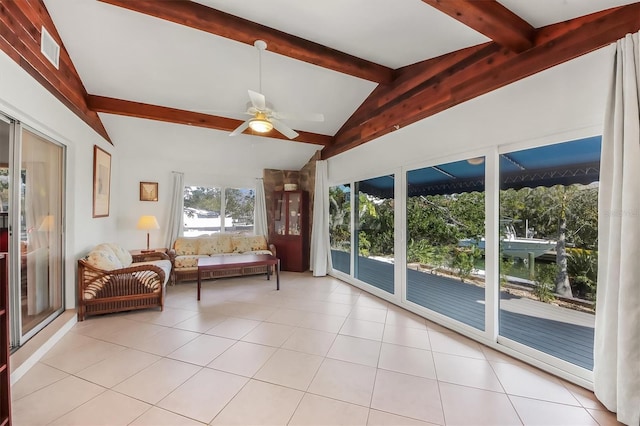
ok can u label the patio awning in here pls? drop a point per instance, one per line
(574, 162)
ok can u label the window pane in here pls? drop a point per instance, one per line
(340, 227)
(445, 240)
(202, 211)
(549, 223)
(375, 232)
(239, 204)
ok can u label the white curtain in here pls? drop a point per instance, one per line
(617, 337)
(260, 211)
(36, 209)
(176, 211)
(320, 248)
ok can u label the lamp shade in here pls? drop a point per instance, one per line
(148, 222)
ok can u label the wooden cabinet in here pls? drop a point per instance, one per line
(292, 229)
(5, 385)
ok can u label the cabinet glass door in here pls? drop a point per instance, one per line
(294, 214)
(280, 215)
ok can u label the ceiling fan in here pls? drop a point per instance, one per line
(263, 117)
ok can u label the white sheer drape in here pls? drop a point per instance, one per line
(617, 336)
(42, 168)
(36, 209)
(176, 212)
(260, 210)
(320, 249)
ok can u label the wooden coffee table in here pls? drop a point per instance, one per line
(217, 263)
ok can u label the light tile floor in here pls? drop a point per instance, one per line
(318, 352)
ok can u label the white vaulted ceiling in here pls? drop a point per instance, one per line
(119, 53)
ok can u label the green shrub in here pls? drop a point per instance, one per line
(422, 252)
(463, 260)
(364, 244)
(544, 282)
(440, 257)
(582, 266)
(506, 266)
(419, 251)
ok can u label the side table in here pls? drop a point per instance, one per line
(141, 252)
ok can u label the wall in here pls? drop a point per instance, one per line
(23, 99)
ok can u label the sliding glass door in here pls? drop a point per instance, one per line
(375, 236)
(31, 230)
(340, 227)
(549, 242)
(445, 218)
(501, 247)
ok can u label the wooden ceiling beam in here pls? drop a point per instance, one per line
(189, 118)
(492, 19)
(482, 71)
(410, 77)
(216, 22)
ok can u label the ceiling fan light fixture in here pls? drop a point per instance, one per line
(260, 124)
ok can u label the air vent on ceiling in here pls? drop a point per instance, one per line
(49, 48)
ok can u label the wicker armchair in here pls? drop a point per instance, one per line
(139, 285)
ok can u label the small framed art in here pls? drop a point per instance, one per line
(148, 191)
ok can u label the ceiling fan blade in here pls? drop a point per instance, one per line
(258, 100)
(311, 116)
(241, 128)
(284, 129)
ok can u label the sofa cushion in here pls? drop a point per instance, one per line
(215, 244)
(188, 261)
(258, 252)
(104, 258)
(245, 243)
(186, 246)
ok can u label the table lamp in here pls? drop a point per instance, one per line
(148, 223)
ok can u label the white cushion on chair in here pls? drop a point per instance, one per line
(123, 254)
(104, 259)
(163, 264)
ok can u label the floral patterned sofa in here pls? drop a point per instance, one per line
(186, 251)
(110, 280)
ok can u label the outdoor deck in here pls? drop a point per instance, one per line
(557, 331)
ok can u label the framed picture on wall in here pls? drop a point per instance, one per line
(101, 182)
(148, 191)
